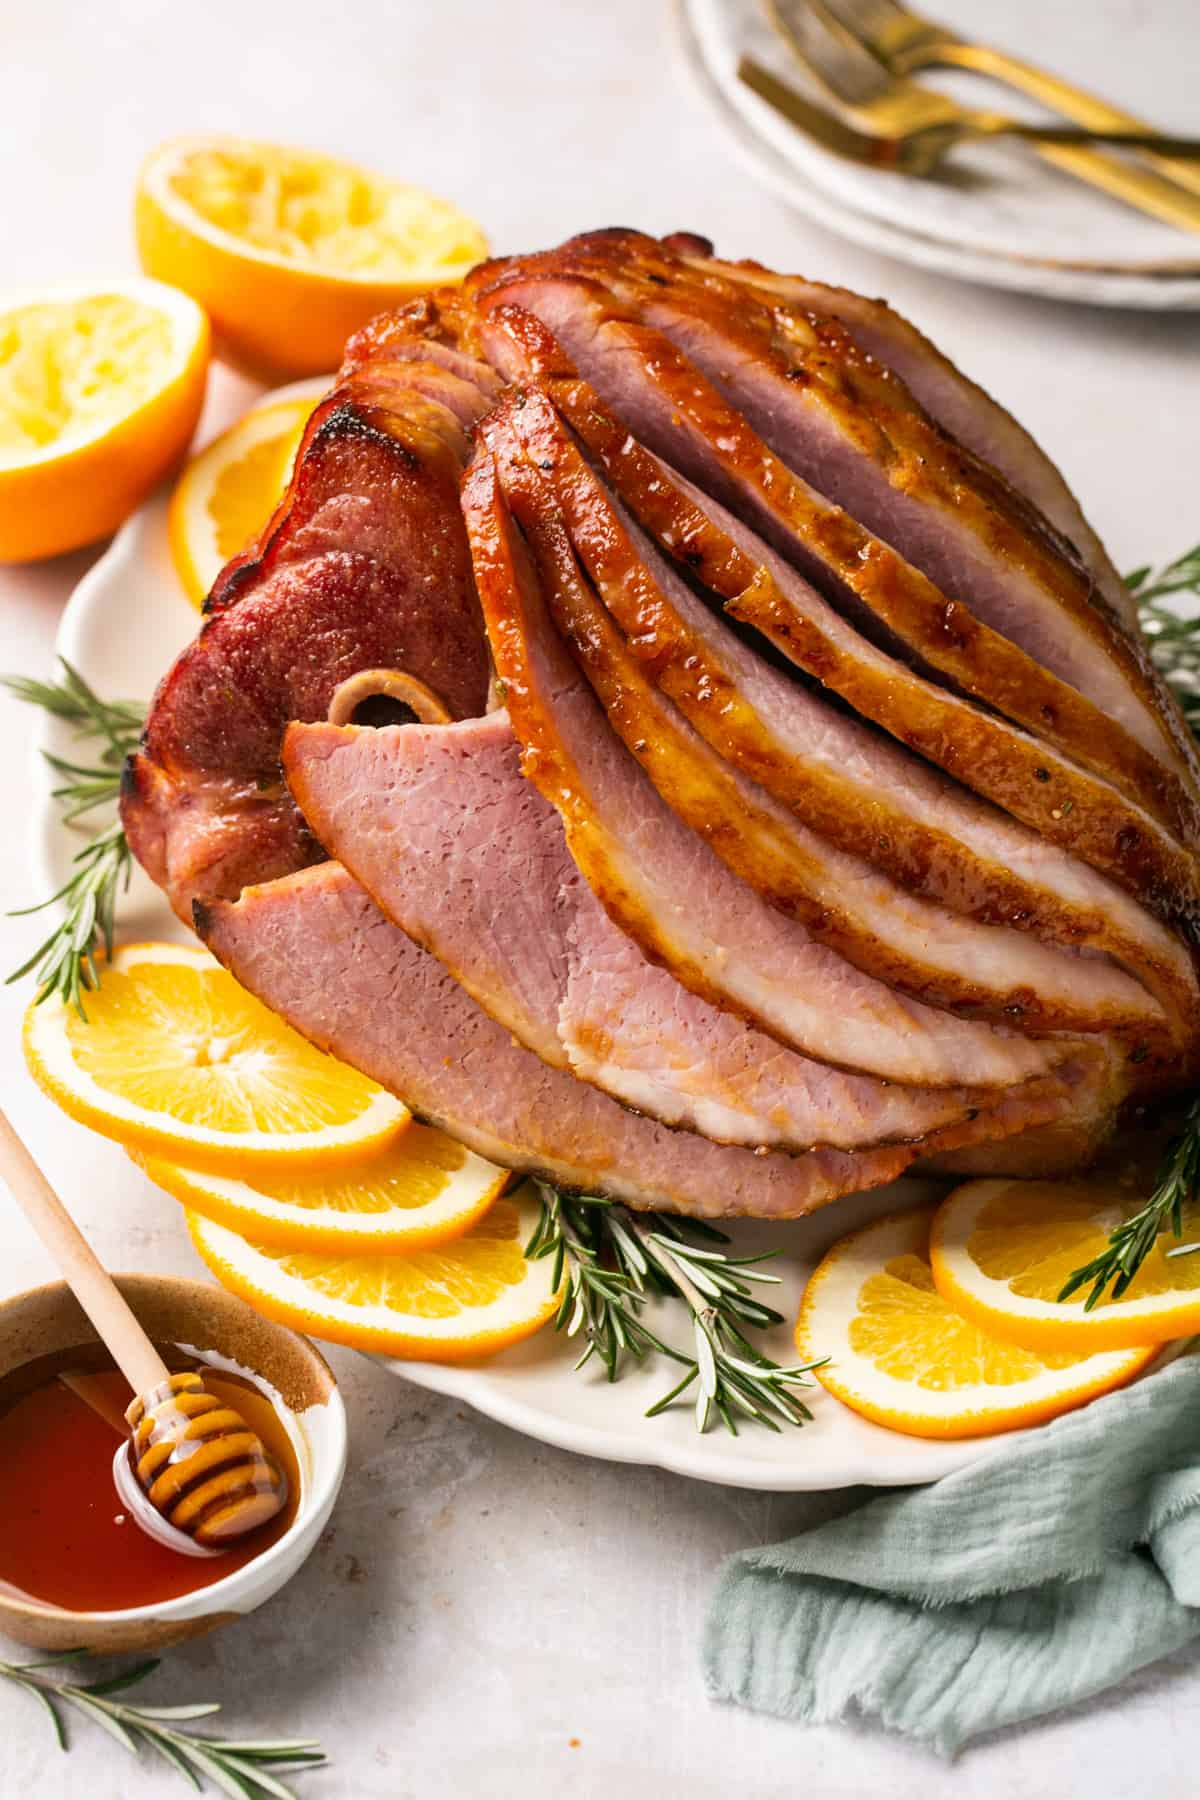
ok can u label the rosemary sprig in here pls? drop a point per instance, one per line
(119, 722)
(593, 1255)
(240, 1769)
(732, 1376)
(1131, 1242)
(1179, 577)
(612, 1261)
(1175, 647)
(1174, 641)
(64, 962)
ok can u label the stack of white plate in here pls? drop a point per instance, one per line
(995, 213)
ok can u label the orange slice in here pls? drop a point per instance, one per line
(1001, 1252)
(461, 1300)
(175, 1059)
(901, 1355)
(290, 251)
(101, 386)
(420, 1190)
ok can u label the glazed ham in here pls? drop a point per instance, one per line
(676, 412)
(847, 781)
(1021, 774)
(965, 412)
(794, 798)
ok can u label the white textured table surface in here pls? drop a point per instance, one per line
(488, 1617)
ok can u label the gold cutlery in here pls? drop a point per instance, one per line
(928, 124)
(906, 44)
(917, 148)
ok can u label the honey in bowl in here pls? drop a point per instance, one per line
(66, 1539)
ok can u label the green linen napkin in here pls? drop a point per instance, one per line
(1038, 1576)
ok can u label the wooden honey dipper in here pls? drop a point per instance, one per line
(202, 1469)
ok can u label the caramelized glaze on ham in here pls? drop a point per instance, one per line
(672, 408)
(664, 886)
(833, 414)
(943, 958)
(961, 407)
(845, 780)
(364, 565)
(1028, 779)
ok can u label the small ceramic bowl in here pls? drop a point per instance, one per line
(198, 1317)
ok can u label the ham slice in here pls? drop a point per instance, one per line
(663, 885)
(458, 849)
(314, 948)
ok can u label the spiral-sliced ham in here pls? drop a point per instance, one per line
(853, 428)
(961, 407)
(841, 821)
(848, 782)
(1030, 780)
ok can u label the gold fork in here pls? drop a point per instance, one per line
(906, 43)
(916, 148)
(890, 107)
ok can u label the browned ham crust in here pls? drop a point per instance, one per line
(1029, 779)
(365, 564)
(961, 407)
(832, 456)
(640, 859)
(846, 781)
